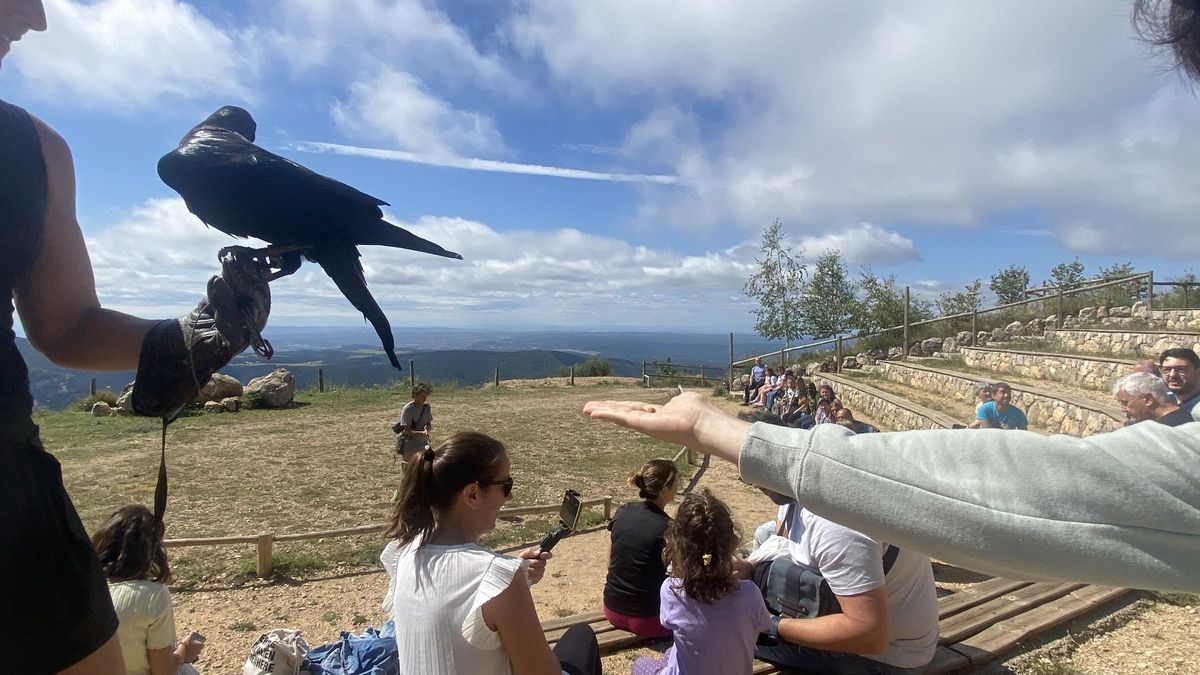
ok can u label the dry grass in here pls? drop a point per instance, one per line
(328, 463)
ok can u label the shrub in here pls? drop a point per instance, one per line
(85, 403)
(253, 399)
(720, 389)
(594, 367)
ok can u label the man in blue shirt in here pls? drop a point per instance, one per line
(758, 375)
(999, 413)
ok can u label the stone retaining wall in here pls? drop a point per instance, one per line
(1080, 371)
(1147, 345)
(1167, 319)
(1053, 414)
(883, 413)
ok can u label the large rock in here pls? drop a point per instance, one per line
(964, 338)
(1051, 323)
(123, 405)
(1034, 327)
(931, 346)
(999, 335)
(895, 353)
(274, 390)
(949, 345)
(1121, 312)
(1015, 328)
(982, 338)
(219, 386)
(915, 350)
(875, 356)
(101, 409)
(1141, 309)
(1102, 312)
(1087, 314)
(231, 403)
(213, 407)
(849, 362)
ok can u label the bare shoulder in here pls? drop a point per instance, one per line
(54, 148)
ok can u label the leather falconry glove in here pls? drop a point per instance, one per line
(180, 355)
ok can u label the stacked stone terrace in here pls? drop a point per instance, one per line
(1061, 375)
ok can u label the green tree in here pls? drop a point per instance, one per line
(777, 286)
(969, 299)
(1009, 284)
(1066, 275)
(1117, 270)
(594, 367)
(828, 303)
(881, 305)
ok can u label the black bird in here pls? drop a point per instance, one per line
(242, 190)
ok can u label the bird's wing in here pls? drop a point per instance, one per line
(240, 188)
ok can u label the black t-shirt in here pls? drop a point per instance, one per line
(1175, 418)
(635, 566)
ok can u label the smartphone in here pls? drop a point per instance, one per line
(568, 519)
(197, 637)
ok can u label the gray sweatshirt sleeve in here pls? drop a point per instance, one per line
(1121, 508)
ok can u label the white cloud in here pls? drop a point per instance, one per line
(476, 164)
(395, 106)
(939, 112)
(865, 244)
(155, 262)
(125, 55)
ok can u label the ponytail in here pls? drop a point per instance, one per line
(655, 476)
(434, 478)
(701, 541)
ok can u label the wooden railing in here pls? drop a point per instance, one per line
(266, 541)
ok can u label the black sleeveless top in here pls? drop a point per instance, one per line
(22, 213)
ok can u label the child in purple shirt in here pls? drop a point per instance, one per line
(715, 618)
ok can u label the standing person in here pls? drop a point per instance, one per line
(999, 413)
(458, 607)
(715, 617)
(1181, 373)
(50, 581)
(635, 552)
(416, 421)
(129, 545)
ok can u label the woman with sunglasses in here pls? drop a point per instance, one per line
(458, 607)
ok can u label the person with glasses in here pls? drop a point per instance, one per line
(458, 607)
(1179, 372)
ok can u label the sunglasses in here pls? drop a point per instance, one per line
(505, 484)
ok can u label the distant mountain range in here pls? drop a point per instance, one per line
(352, 357)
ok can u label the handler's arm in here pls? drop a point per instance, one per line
(56, 299)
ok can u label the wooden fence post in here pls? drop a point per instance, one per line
(645, 381)
(412, 375)
(1187, 302)
(838, 368)
(904, 347)
(497, 376)
(1150, 291)
(572, 374)
(607, 508)
(730, 371)
(265, 544)
(1059, 312)
(974, 325)
(321, 380)
(703, 380)
(92, 389)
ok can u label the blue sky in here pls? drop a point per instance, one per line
(612, 164)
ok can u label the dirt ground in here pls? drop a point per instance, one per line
(1145, 636)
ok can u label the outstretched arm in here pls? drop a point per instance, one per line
(56, 299)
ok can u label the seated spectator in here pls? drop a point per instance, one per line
(1146, 366)
(983, 395)
(770, 384)
(716, 617)
(635, 552)
(1145, 397)
(826, 391)
(458, 607)
(1179, 370)
(129, 545)
(845, 417)
(889, 614)
(999, 413)
(786, 384)
(823, 414)
(757, 377)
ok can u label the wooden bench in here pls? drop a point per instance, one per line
(975, 625)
